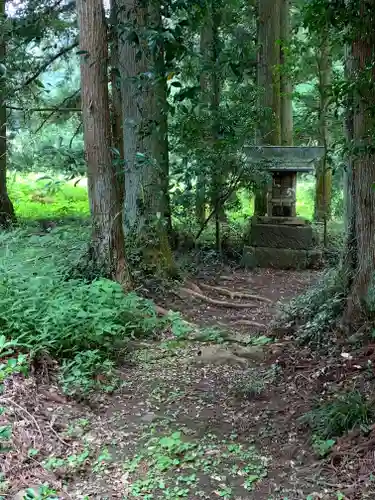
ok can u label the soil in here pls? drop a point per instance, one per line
(190, 422)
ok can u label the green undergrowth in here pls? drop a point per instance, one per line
(315, 312)
(85, 325)
(179, 465)
(331, 419)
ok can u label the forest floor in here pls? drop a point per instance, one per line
(200, 418)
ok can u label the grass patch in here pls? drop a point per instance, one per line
(342, 414)
(254, 381)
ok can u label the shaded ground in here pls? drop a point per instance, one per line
(193, 419)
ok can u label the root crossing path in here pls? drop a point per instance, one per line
(199, 418)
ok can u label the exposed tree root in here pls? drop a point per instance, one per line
(193, 286)
(227, 278)
(160, 311)
(219, 303)
(232, 293)
(248, 322)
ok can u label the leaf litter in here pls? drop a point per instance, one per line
(181, 429)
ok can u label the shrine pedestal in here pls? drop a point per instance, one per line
(282, 240)
(281, 243)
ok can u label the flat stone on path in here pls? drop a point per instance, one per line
(216, 355)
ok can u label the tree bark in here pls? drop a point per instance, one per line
(147, 214)
(107, 250)
(323, 189)
(362, 218)
(349, 260)
(117, 125)
(268, 83)
(206, 60)
(286, 87)
(7, 214)
(160, 140)
(216, 173)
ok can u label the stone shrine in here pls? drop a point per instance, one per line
(281, 239)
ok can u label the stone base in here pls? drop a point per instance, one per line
(289, 221)
(297, 237)
(280, 258)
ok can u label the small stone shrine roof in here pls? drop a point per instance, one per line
(285, 158)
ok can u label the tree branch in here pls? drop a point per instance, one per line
(41, 110)
(45, 65)
(55, 109)
(221, 200)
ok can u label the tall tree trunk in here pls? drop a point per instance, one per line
(7, 215)
(324, 173)
(286, 87)
(349, 260)
(146, 207)
(117, 125)
(107, 251)
(160, 140)
(206, 62)
(216, 174)
(362, 219)
(268, 83)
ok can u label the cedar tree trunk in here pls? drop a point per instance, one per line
(361, 218)
(7, 215)
(107, 245)
(143, 90)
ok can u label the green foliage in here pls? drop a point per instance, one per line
(43, 199)
(322, 447)
(48, 151)
(75, 461)
(12, 365)
(176, 452)
(47, 314)
(44, 492)
(340, 415)
(5, 435)
(305, 197)
(315, 312)
(85, 324)
(89, 371)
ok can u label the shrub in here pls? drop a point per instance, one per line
(71, 319)
(316, 311)
(340, 415)
(45, 313)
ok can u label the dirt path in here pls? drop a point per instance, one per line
(194, 419)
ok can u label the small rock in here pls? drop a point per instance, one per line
(148, 417)
(218, 356)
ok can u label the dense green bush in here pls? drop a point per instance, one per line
(45, 313)
(43, 310)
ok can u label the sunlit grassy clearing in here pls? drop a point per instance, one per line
(68, 200)
(71, 200)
